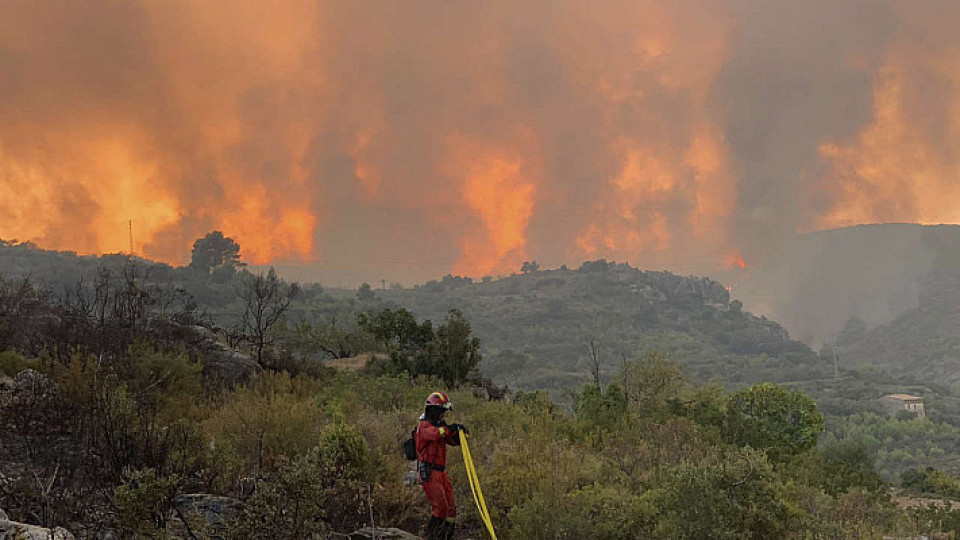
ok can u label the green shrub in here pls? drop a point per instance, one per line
(132, 436)
(934, 518)
(931, 481)
(139, 411)
(327, 487)
(531, 464)
(594, 512)
(770, 418)
(835, 468)
(601, 410)
(287, 503)
(143, 501)
(352, 469)
(266, 424)
(812, 511)
(12, 363)
(348, 392)
(537, 402)
(733, 496)
(866, 514)
(345, 451)
(162, 380)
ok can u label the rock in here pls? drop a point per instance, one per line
(6, 391)
(218, 359)
(217, 511)
(29, 386)
(12, 530)
(370, 533)
(199, 333)
(32, 382)
(230, 365)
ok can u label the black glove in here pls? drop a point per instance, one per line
(460, 427)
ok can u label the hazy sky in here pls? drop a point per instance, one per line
(407, 139)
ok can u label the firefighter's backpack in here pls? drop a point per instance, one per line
(410, 446)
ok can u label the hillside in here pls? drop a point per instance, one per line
(883, 297)
(535, 326)
(534, 330)
(119, 407)
(921, 343)
(819, 281)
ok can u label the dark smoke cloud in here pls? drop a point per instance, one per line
(799, 73)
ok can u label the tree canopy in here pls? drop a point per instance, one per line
(215, 250)
(771, 418)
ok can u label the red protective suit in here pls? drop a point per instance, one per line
(432, 444)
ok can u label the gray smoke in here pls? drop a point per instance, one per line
(342, 134)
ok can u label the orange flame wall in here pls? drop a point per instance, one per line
(180, 116)
(471, 136)
(903, 165)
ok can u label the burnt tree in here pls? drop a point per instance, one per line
(265, 300)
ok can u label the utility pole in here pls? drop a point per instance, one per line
(836, 371)
(130, 229)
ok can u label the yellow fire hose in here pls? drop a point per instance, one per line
(475, 485)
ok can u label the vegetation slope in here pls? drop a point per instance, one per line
(119, 423)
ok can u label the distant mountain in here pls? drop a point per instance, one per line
(814, 284)
(922, 343)
(884, 297)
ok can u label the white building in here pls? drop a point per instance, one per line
(904, 402)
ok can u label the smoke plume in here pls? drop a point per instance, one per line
(406, 139)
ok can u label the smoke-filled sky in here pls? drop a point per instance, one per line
(417, 138)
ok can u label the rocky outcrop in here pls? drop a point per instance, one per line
(12, 530)
(28, 388)
(32, 382)
(215, 511)
(218, 359)
(685, 288)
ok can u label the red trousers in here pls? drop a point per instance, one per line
(439, 492)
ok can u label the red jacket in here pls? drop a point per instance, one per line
(432, 442)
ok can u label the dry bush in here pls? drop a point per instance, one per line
(263, 426)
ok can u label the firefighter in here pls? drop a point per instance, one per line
(432, 437)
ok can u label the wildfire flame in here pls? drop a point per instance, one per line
(903, 165)
(473, 136)
(499, 187)
(735, 260)
(670, 179)
(170, 135)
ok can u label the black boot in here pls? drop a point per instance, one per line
(435, 528)
(448, 529)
